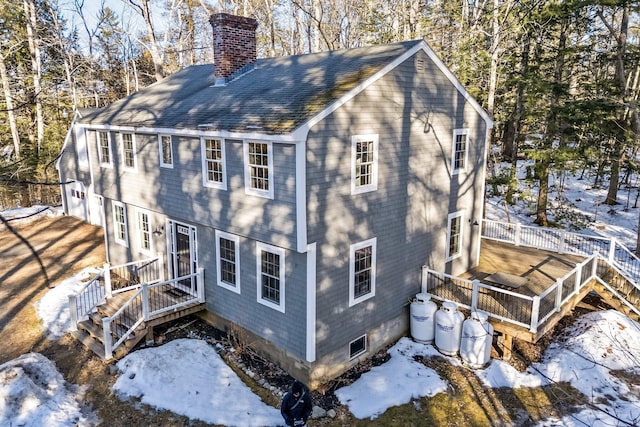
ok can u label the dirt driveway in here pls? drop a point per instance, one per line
(65, 245)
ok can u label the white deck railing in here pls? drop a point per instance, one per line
(564, 242)
(149, 301)
(510, 306)
(112, 280)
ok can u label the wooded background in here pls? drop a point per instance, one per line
(560, 78)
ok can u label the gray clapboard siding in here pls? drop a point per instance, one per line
(244, 309)
(414, 114)
(180, 194)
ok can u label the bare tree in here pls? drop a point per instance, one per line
(31, 23)
(143, 8)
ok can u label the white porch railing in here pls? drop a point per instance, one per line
(149, 301)
(509, 306)
(112, 280)
(562, 241)
(124, 277)
(86, 300)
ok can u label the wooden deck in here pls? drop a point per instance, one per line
(540, 268)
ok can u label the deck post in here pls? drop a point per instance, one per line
(612, 250)
(200, 282)
(561, 241)
(505, 343)
(474, 294)
(578, 277)
(107, 280)
(145, 301)
(108, 345)
(594, 267)
(517, 235)
(423, 279)
(73, 312)
(535, 314)
(558, 303)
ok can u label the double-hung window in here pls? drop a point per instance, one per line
(143, 224)
(454, 235)
(364, 163)
(460, 147)
(165, 147)
(270, 273)
(120, 223)
(228, 265)
(104, 149)
(362, 271)
(213, 163)
(128, 143)
(258, 169)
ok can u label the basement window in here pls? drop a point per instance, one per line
(357, 346)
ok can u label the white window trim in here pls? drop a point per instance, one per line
(457, 132)
(247, 170)
(374, 184)
(124, 242)
(162, 163)
(203, 154)
(221, 234)
(352, 270)
(260, 247)
(364, 350)
(103, 164)
(139, 232)
(134, 148)
(449, 219)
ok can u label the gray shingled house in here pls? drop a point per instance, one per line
(311, 189)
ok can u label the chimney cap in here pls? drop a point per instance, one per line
(221, 18)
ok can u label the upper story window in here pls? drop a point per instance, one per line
(120, 232)
(165, 147)
(454, 235)
(143, 225)
(228, 262)
(270, 273)
(213, 163)
(258, 169)
(128, 151)
(364, 163)
(460, 145)
(362, 271)
(104, 149)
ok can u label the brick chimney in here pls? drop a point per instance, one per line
(234, 44)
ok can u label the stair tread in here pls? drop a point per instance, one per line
(88, 341)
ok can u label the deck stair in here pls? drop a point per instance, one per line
(111, 322)
(618, 291)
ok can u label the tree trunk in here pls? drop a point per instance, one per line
(36, 67)
(542, 173)
(621, 84)
(11, 115)
(144, 10)
(552, 133)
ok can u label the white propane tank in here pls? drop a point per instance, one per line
(477, 339)
(448, 328)
(422, 312)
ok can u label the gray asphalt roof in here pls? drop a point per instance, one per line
(277, 96)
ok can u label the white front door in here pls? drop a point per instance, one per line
(183, 260)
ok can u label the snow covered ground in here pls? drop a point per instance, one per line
(589, 355)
